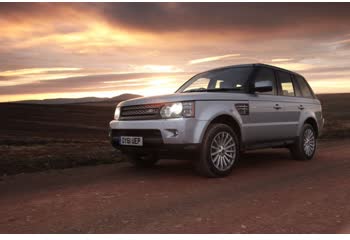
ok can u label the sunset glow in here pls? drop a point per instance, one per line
(54, 50)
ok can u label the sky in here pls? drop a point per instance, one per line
(55, 50)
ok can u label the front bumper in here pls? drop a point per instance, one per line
(160, 132)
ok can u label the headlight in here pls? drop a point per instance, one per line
(117, 113)
(177, 110)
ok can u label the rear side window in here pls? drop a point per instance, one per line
(296, 87)
(286, 84)
(304, 88)
(266, 77)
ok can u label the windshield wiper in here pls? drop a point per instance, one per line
(213, 90)
(196, 90)
(223, 89)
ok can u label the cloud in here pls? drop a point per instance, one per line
(227, 17)
(19, 72)
(294, 66)
(20, 11)
(157, 68)
(214, 58)
(224, 18)
(340, 42)
(160, 40)
(92, 82)
(318, 69)
(281, 59)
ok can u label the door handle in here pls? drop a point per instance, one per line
(301, 107)
(277, 106)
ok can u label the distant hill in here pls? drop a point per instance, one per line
(85, 100)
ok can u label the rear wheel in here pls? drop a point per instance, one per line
(305, 146)
(219, 151)
(142, 160)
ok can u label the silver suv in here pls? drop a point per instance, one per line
(217, 115)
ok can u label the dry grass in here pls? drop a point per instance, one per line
(336, 111)
(42, 137)
(38, 157)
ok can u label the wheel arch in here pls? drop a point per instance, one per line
(312, 121)
(228, 120)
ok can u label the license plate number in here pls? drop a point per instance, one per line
(131, 141)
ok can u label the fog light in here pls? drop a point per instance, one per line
(174, 132)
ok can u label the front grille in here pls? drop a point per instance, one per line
(140, 112)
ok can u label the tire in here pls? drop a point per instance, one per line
(142, 160)
(305, 146)
(215, 159)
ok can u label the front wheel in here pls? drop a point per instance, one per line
(141, 160)
(305, 146)
(219, 151)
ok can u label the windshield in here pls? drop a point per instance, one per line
(228, 79)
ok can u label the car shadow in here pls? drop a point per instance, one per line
(169, 167)
(266, 157)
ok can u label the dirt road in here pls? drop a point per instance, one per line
(267, 193)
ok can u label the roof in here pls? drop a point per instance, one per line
(255, 65)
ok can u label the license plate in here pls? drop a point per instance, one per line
(131, 141)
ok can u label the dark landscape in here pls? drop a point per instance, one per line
(267, 193)
(36, 137)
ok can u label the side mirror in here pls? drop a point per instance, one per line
(262, 86)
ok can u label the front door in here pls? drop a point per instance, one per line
(266, 111)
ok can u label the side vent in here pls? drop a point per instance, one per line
(242, 108)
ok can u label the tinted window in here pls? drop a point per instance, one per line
(286, 84)
(265, 77)
(304, 88)
(296, 87)
(228, 78)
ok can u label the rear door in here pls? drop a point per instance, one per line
(307, 102)
(289, 116)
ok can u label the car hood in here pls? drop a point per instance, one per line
(177, 97)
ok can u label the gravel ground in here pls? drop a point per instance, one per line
(267, 193)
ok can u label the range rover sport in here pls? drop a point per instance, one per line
(217, 115)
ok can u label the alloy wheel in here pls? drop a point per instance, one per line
(309, 142)
(223, 151)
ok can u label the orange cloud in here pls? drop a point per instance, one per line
(76, 49)
(214, 58)
(281, 59)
